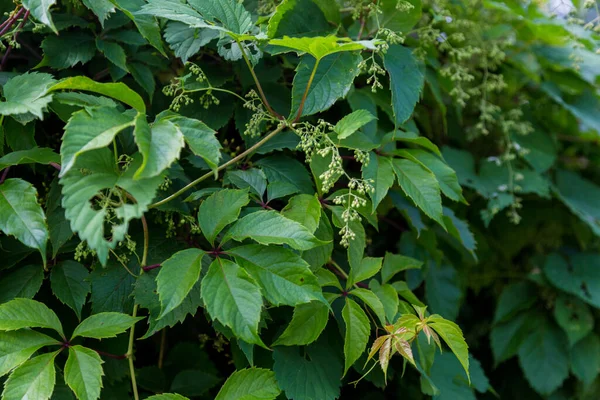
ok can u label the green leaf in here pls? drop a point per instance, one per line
(70, 284)
(287, 170)
(40, 9)
(358, 329)
(443, 173)
(251, 383)
(332, 80)
(514, 299)
(574, 317)
(146, 296)
(394, 263)
(415, 139)
(21, 216)
(252, 178)
(388, 297)
(300, 18)
(34, 379)
(146, 24)
(231, 14)
(371, 300)
(27, 94)
(111, 289)
(176, 278)
(270, 227)
(23, 282)
(185, 41)
(104, 325)
(305, 209)
(319, 46)
(381, 172)
(368, 267)
(506, 338)
(233, 298)
(219, 210)
(16, 347)
(174, 10)
(442, 290)
(421, 186)
(578, 276)
(83, 372)
(35, 155)
(67, 50)
(117, 91)
(161, 148)
(320, 255)
(406, 81)
(201, 139)
(581, 196)
(397, 18)
(543, 358)
(102, 9)
(453, 336)
(459, 229)
(90, 129)
(316, 374)
(167, 396)
(80, 187)
(308, 321)
(585, 359)
(113, 52)
(352, 122)
(26, 313)
(285, 278)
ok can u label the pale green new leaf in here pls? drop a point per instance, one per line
(453, 336)
(233, 298)
(305, 209)
(421, 186)
(36, 155)
(90, 129)
(17, 346)
(83, 372)
(27, 94)
(406, 81)
(40, 9)
(201, 140)
(282, 274)
(161, 149)
(69, 281)
(394, 263)
(21, 216)
(26, 313)
(118, 91)
(80, 187)
(250, 384)
(219, 210)
(352, 122)
(177, 276)
(270, 227)
(319, 46)
(34, 379)
(368, 267)
(332, 80)
(381, 172)
(104, 325)
(371, 300)
(308, 321)
(358, 329)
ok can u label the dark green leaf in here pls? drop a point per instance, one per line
(23, 282)
(177, 276)
(70, 284)
(308, 321)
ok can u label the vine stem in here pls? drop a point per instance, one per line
(9, 48)
(257, 82)
(10, 22)
(234, 160)
(136, 395)
(305, 95)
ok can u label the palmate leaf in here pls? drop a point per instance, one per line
(177, 277)
(251, 383)
(83, 372)
(90, 129)
(21, 216)
(97, 177)
(104, 325)
(332, 81)
(26, 313)
(308, 321)
(70, 284)
(233, 297)
(282, 274)
(219, 210)
(17, 346)
(27, 94)
(358, 329)
(34, 379)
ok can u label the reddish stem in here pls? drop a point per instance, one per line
(9, 49)
(11, 21)
(4, 174)
(115, 356)
(150, 267)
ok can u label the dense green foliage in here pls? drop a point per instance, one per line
(299, 199)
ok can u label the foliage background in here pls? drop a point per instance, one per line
(506, 90)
